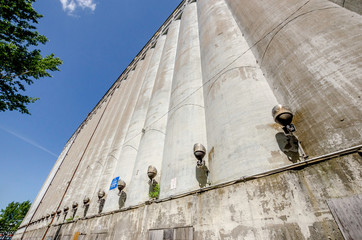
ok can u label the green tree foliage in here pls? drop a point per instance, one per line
(12, 216)
(20, 62)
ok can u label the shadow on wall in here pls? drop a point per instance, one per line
(122, 199)
(101, 205)
(201, 175)
(86, 207)
(289, 146)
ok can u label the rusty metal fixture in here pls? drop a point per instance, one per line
(101, 194)
(66, 209)
(52, 214)
(47, 216)
(151, 172)
(75, 205)
(121, 185)
(59, 212)
(199, 152)
(86, 201)
(282, 115)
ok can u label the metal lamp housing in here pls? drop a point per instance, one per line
(151, 172)
(86, 201)
(121, 185)
(199, 152)
(282, 115)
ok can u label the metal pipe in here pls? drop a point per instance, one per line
(80, 160)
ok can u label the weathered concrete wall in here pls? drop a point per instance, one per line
(238, 100)
(186, 117)
(310, 52)
(289, 205)
(353, 5)
(211, 75)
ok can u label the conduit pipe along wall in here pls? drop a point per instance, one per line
(150, 150)
(124, 123)
(118, 97)
(90, 158)
(238, 99)
(186, 118)
(75, 193)
(138, 120)
(311, 53)
(127, 154)
(97, 181)
(96, 158)
(118, 129)
(60, 182)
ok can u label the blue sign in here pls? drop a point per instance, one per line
(114, 183)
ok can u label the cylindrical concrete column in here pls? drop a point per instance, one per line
(311, 54)
(186, 120)
(238, 100)
(134, 134)
(150, 149)
(76, 195)
(94, 159)
(131, 106)
(58, 186)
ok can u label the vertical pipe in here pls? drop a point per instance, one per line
(60, 181)
(102, 139)
(138, 120)
(186, 119)
(238, 100)
(150, 149)
(311, 54)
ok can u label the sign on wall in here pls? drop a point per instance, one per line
(114, 183)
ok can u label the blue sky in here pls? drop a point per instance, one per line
(96, 39)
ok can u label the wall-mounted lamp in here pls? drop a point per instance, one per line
(152, 172)
(101, 194)
(283, 116)
(75, 205)
(59, 212)
(86, 201)
(121, 185)
(47, 216)
(199, 152)
(65, 209)
(52, 214)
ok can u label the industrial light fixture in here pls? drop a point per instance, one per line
(121, 185)
(101, 194)
(66, 209)
(59, 212)
(199, 152)
(283, 116)
(152, 172)
(86, 201)
(75, 205)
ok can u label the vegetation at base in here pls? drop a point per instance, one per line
(12, 216)
(20, 62)
(155, 192)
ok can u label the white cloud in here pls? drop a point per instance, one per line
(70, 5)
